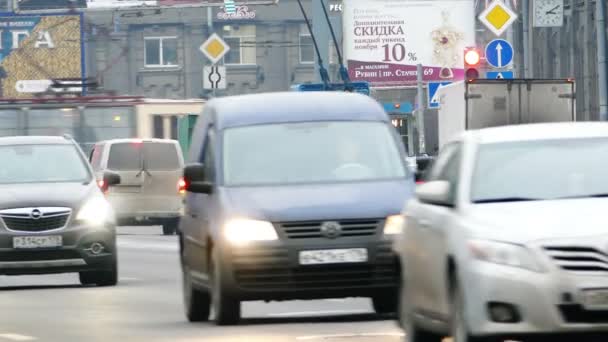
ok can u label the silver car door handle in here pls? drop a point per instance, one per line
(424, 223)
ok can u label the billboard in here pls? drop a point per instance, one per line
(384, 40)
(214, 3)
(37, 48)
(37, 5)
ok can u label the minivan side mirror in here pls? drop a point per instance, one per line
(110, 179)
(194, 176)
(435, 192)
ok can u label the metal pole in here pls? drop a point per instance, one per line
(420, 111)
(525, 14)
(210, 31)
(410, 137)
(585, 62)
(602, 59)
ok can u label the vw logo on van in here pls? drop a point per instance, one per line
(331, 230)
(36, 214)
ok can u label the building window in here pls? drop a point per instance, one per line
(160, 51)
(159, 127)
(307, 49)
(174, 122)
(242, 44)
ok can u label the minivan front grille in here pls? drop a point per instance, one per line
(313, 229)
(578, 259)
(34, 220)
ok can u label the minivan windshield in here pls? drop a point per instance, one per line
(42, 164)
(157, 156)
(312, 152)
(540, 170)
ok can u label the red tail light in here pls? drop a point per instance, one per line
(419, 182)
(181, 186)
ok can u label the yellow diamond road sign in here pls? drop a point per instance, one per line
(215, 48)
(498, 17)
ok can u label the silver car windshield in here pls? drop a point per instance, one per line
(540, 170)
(300, 153)
(42, 164)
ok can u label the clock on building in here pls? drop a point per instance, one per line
(548, 13)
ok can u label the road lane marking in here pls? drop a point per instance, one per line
(148, 246)
(329, 336)
(129, 278)
(319, 313)
(16, 337)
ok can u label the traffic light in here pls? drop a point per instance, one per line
(472, 59)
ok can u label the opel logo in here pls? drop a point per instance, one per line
(331, 230)
(36, 214)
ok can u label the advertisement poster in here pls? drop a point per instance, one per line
(384, 40)
(37, 5)
(41, 47)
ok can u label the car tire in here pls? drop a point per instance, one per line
(197, 303)
(385, 304)
(227, 310)
(100, 278)
(406, 322)
(170, 226)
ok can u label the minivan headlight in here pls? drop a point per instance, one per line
(507, 254)
(244, 231)
(394, 225)
(96, 211)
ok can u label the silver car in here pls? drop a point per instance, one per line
(151, 189)
(508, 240)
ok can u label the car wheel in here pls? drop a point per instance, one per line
(413, 332)
(385, 304)
(100, 278)
(197, 303)
(170, 226)
(227, 310)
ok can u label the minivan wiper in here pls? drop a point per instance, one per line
(506, 199)
(143, 169)
(599, 195)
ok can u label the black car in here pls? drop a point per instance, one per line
(53, 216)
(292, 196)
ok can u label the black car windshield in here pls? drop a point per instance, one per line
(42, 164)
(540, 170)
(317, 152)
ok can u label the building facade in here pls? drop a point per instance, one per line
(155, 52)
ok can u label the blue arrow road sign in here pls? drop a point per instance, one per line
(433, 98)
(499, 53)
(500, 75)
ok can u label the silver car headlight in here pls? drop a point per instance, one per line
(96, 211)
(502, 253)
(394, 225)
(244, 231)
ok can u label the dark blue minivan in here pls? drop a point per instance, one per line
(291, 196)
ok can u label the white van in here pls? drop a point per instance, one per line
(150, 171)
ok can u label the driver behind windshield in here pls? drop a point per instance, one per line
(350, 161)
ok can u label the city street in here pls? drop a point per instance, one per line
(147, 306)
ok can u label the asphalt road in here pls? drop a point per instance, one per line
(147, 306)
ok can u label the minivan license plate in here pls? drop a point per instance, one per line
(37, 241)
(596, 299)
(333, 256)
